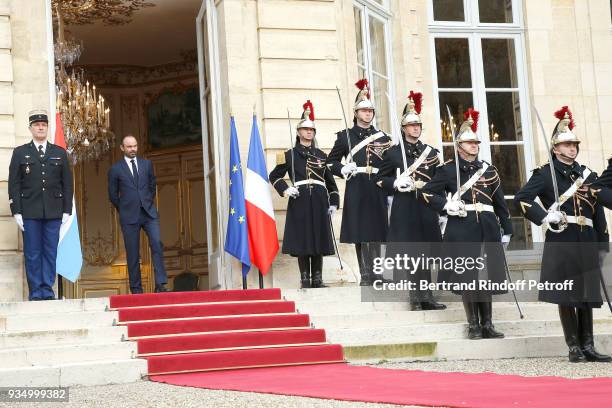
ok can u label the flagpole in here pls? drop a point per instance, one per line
(244, 282)
(261, 285)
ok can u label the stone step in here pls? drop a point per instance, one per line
(446, 331)
(57, 321)
(390, 318)
(87, 373)
(464, 349)
(63, 354)
(53, 306)
(67, 336)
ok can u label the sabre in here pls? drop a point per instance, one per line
(346, 128)
(291, 144)
(452, 125)
(462, 213)
(400, 136)
(557, 204)
(518, 306)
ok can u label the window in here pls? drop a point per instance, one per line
(373, 56)
(479, 62)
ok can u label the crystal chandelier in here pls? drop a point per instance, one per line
(85, 117)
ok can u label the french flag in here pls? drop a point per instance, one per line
(69, 256)
(263, 240)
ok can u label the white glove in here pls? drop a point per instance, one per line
(553, 217)
(453, 207)
(505, 240)
(403, 184)
(349, 169)
(19, 221)
(332, 210)
(442, 223)
(602, 257)
(65, 218)
(292, 192)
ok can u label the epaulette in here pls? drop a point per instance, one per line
(280, 158)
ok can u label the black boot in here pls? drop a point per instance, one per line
(366, 278)
(415, 300)
(429, 303)
(585, 335)
(486, 321)
(569, 323)
(471, 312)
(316, 264)
(304, 265)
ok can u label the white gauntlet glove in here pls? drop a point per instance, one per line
(553, 217)
(505, 240)
(292, 192)
(19, 221)
(454, 207)
(332, 210)
(403, 184)
(348, 170)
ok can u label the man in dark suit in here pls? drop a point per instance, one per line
(131, 189)
(40, 195)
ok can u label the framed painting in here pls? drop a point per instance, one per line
(173, 118)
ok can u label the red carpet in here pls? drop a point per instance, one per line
(179, 332)
(370, 384)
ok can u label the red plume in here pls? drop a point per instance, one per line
(417, 98)
(474, 114)
(362, 83)
(560, 114)
(308, 105)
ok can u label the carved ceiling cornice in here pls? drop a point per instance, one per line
(132, 75)
(111, 12)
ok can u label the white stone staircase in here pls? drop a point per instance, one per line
(388, 330)
(65, 343)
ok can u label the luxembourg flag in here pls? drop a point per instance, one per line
(69, 256)
(263, 240)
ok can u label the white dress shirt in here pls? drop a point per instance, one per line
(43, 144)
(129, 163)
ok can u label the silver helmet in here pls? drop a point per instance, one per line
(308, 117)
(412, 110)
(563, 131)
(363, 101)
(469, 127)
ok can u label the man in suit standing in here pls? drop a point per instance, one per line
(40, 195)
(131, 189)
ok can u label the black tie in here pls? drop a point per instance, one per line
(134, 171)
(41, 151)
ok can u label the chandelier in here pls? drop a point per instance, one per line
(85, 117)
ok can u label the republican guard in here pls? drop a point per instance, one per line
(406, 169)
(313, 200)
(477, 214)
(364, 216)
(576, 233)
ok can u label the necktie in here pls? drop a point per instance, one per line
(41, 151)
(134, 171)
